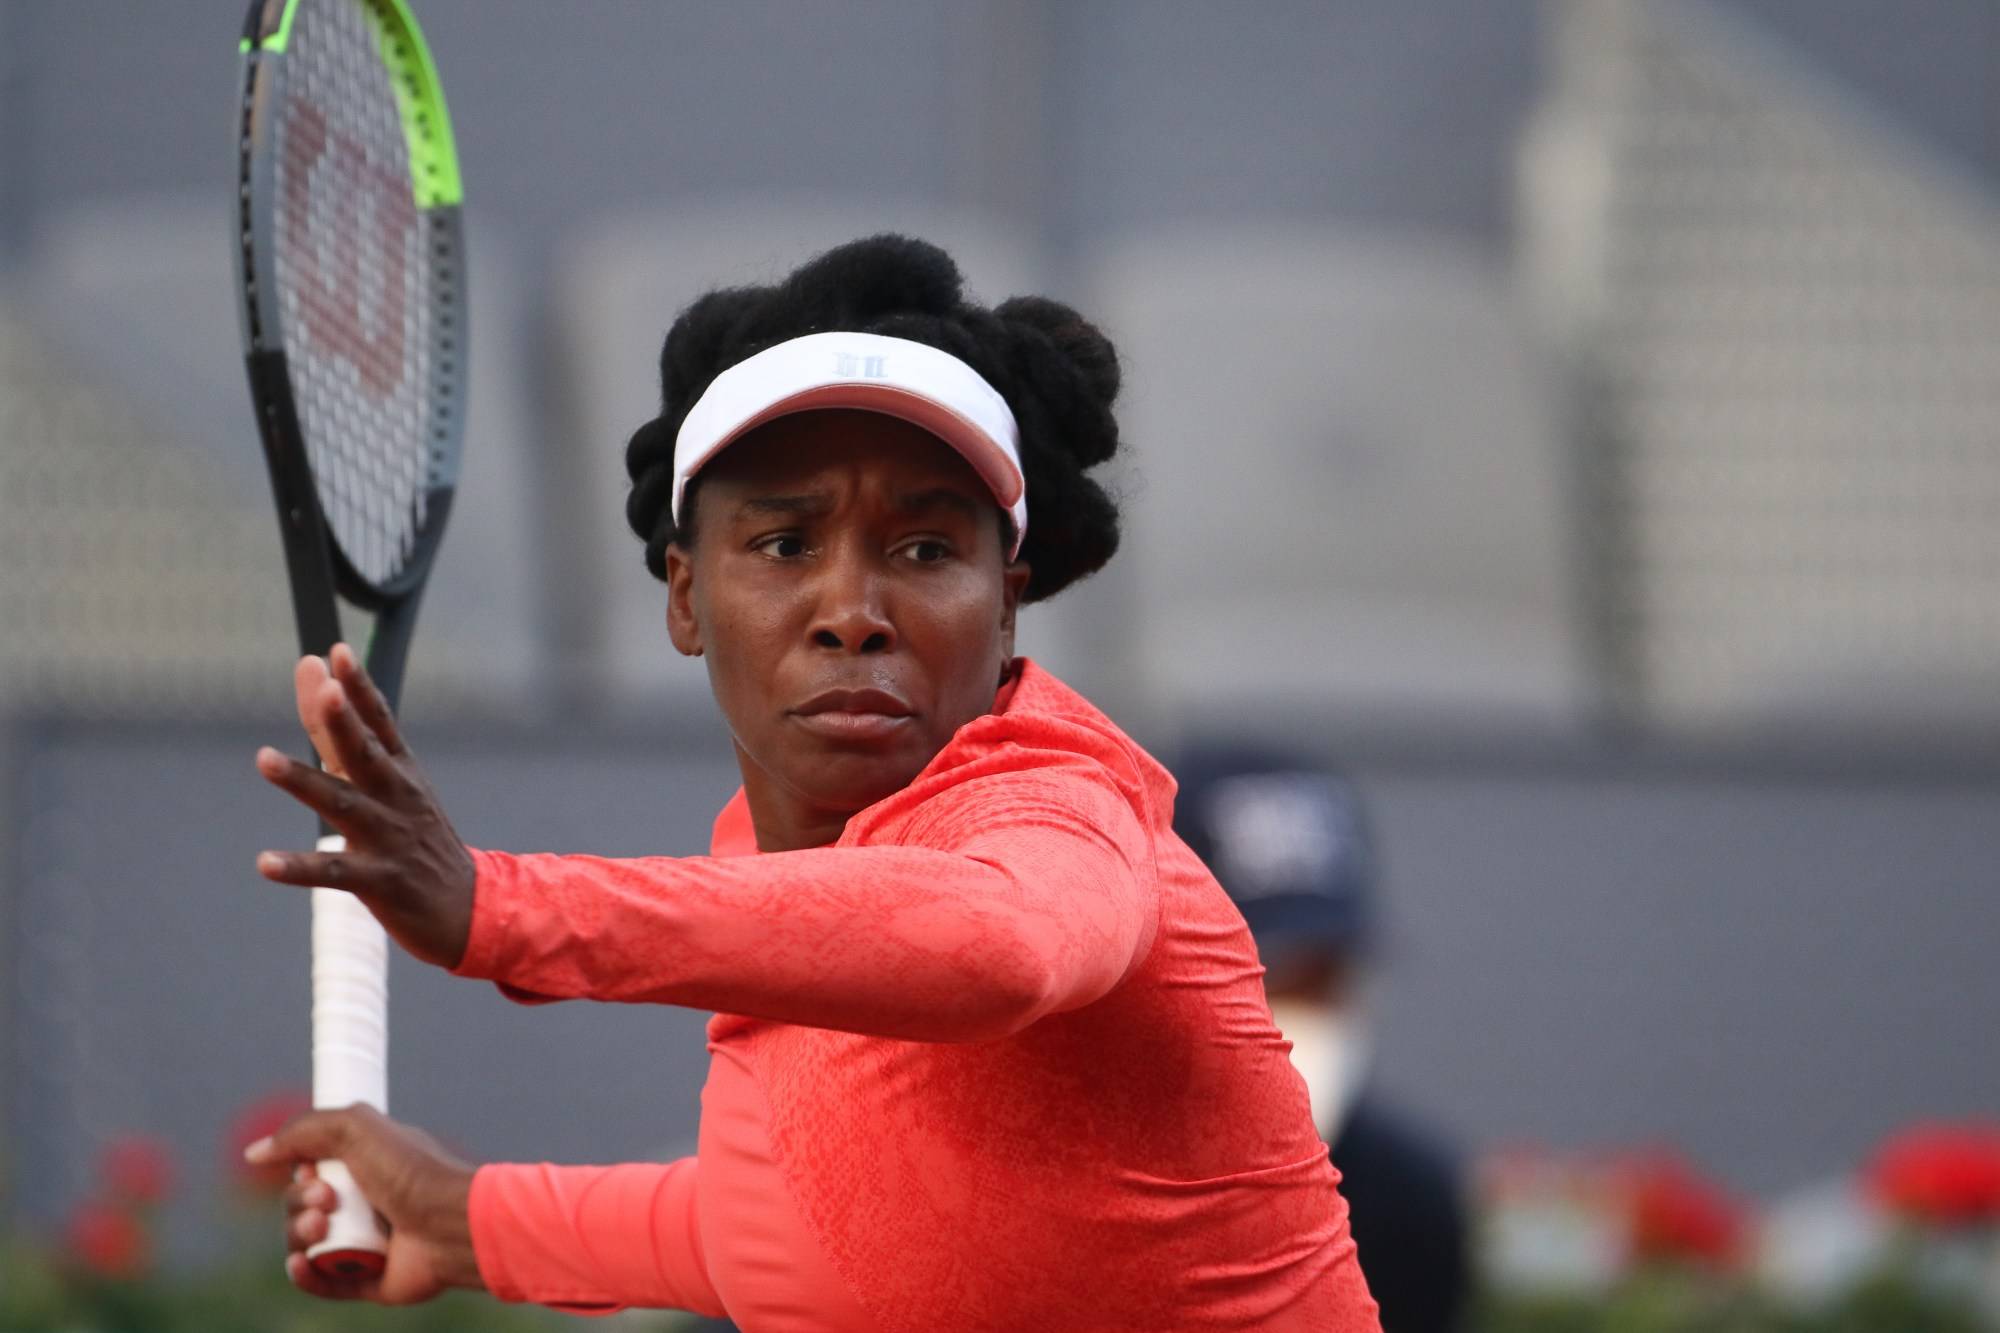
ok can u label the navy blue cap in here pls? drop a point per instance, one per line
(1289, 842)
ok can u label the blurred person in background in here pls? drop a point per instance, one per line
(989, 1046)
(1289, 841)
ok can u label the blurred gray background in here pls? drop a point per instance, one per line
(1580, 420)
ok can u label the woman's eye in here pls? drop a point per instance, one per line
(785, 546)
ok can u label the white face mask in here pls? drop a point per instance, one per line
(1330, 1049)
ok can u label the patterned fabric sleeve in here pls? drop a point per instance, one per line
(1024, 886)
(592, 1239)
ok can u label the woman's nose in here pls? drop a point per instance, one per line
(850, 615)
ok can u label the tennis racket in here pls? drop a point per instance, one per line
(350, 265)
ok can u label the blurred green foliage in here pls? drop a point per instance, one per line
(1670, 1300)
(43, 1290)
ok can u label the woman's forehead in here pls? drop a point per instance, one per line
(815, 450)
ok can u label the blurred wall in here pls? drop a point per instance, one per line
(1089, 116)
(1082, 117)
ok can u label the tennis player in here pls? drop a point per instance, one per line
(990, 1047)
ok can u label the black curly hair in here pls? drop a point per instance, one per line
(1058, 374)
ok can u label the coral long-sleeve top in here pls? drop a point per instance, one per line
(998, 1058)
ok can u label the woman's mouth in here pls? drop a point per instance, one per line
(854, 715)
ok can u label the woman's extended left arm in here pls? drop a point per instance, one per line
(1034, 894)
(1026, 888)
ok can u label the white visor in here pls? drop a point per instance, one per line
(894, 376)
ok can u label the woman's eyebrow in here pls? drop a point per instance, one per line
(801, 506)
(939, 497)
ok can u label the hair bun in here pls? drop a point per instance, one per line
(649, 462)
(695, 344)
(1074, 336)
(651, 446)
(1074, 376)
(879, 275)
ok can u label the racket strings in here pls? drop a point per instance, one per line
(357, 278)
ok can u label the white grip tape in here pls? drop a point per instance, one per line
(350, 1040)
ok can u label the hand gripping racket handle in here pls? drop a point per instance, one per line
(350, 1042)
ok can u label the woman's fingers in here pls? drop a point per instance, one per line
(309, 680)
(357, 872)
(367, 699)
(307, 1228)
(356, 752)
(308, 1192)
(340, 803)
(402, 855)
(309, 1204)
(344, 713)
(306, 1137)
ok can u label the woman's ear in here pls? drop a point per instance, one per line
(1013, 582)
(683, 626)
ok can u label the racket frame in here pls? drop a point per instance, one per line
(318, 569)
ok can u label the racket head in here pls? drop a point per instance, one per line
(350, 267)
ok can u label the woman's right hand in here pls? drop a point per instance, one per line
(403, 860)
(420, 1190)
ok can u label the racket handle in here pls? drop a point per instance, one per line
(350, 1044)
(355, 1245)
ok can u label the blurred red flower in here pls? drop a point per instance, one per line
(107, 1240)
(1677, 1214)
(1948, 1174)
(137, 1169)
(259, 1119)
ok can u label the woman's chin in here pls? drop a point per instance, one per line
(851, 781)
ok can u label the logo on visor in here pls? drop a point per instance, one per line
(847, 365)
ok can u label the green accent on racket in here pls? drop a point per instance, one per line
(276, 41)
(434, 175)
(426, 122)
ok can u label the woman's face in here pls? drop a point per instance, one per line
(850, 592)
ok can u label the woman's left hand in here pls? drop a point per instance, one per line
(418, 1188)
(403, 860)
